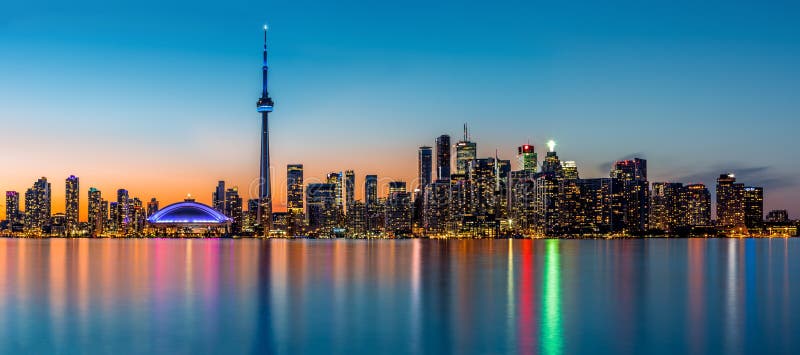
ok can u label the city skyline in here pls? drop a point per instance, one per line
(165, 145)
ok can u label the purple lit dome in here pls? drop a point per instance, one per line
(188, 212)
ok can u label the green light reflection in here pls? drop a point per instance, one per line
(552, 337)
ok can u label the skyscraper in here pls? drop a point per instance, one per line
(424, 162)
(668, 206)
(730, 202)
(753, 207)
(636, 201)
(96, 219)
(152, 207)
(370, 192)
(123, 211)
(443, 157)
(466, 151)
(72, 204)
(528, 159)
(265, 106)
(349, 189)
(37, 206)
(12, 206)
(321, 209)
(218, 197)
(294, 188)
(233, 208)
(698, 209)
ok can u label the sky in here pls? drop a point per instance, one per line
(159, 98)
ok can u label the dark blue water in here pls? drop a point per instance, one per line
(412, 296)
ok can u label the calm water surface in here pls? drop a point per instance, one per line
(412, 296)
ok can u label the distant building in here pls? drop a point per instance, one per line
(321, 209)
(698, 206)
(152, 207)
(218, 197)
(38, 206)
(636, 190)
(528, 159)
(95, 212)
(233, 209)
(668, 206)
(12, 206)
(730, 202)
(72, 204)
(753, 207)
(294, 188)
(466, 151)
(398, 209)
(424, 166)
(349, 190)
(778, 216)
(443, 157)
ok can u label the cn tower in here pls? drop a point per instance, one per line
(264, 106)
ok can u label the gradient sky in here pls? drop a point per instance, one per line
(160, 98)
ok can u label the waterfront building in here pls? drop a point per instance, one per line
(398, 209)
(424, 167)
(321, 210)
(113, 217)
(124, 212)
(38, 207)
(668, 206)
(12, 207)
(72, 205)
(152, 206)
(601, 201)
(218, 197)
(753, 207)
(636, 190)
(698, 209)
(188, 219)
(349, 190)
(730, 202)
(778, 216)
(95, 212)
(233, 209)
(436, 207)
(443, 157)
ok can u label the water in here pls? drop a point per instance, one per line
(411, 296)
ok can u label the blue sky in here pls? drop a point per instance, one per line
(155, 96)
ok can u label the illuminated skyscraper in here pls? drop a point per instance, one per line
(436, 207)
(466, 151)
(72, 204)
(636, 202)
(668, 206)
(123, 211)
(398, 209)
(528, 159)
(336, 179)
(294, 188)
(218, 197)
(698, 206)
(754, 207)
(37, 206)
(730, 202)
(349, 189)
(424, 168)
(265, 105)
(233, 208)
(96, 218)
(12, 206)
(443, 157)
(113, 217)
(321, 209)
(371, 190)
(569, 169)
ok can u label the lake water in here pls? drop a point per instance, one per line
(659, 296)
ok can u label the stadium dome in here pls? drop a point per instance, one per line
(188, 213)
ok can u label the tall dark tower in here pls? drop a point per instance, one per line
(264, 106)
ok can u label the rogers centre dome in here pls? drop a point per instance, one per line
(188, 213)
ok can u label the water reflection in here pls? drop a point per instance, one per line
(415, 296)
